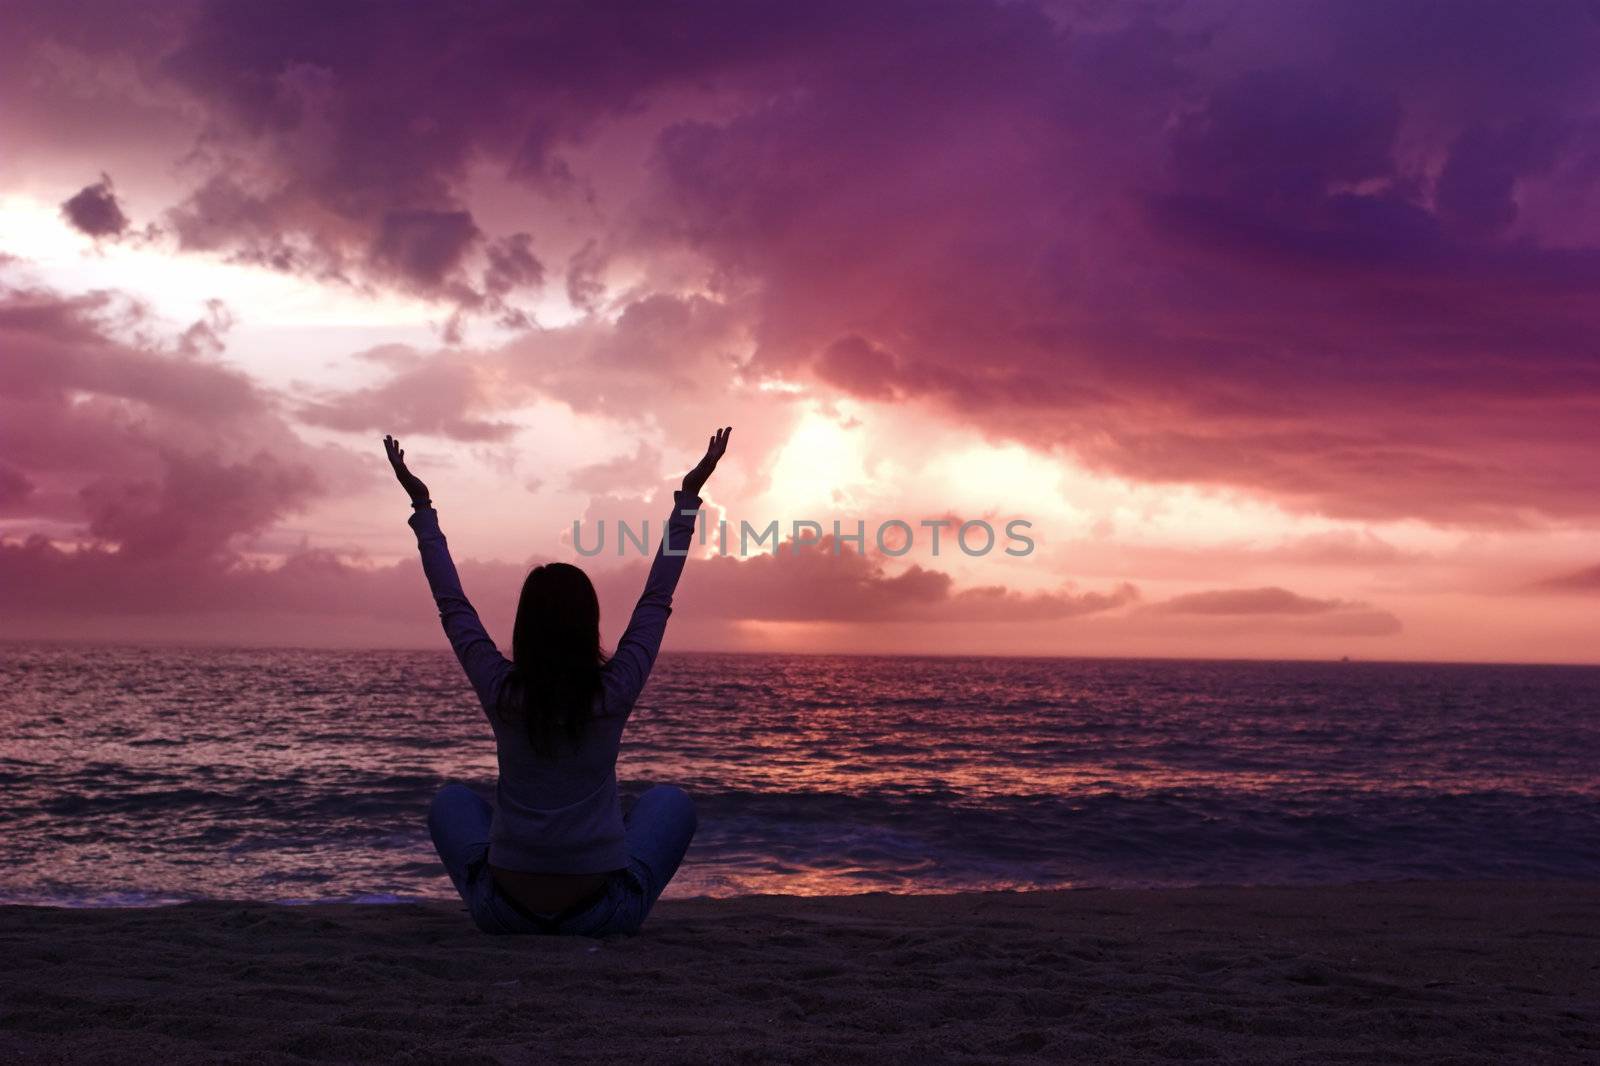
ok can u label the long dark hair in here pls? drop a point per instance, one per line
(555, 648)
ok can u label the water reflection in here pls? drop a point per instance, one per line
(138, 774)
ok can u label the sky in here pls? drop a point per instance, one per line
(1275, 321)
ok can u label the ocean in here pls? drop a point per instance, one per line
(141, 775)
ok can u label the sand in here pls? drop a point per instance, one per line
(1412, 972)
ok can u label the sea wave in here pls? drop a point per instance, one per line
(138, 775)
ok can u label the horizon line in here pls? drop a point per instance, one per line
(180, 645)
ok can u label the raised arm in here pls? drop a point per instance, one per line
(636, 652)
(486, 668)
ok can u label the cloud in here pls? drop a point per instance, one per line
(625, 472)
(449, 395)
(424, 247)
(1306, 613)
(1242, 278)
(823, 583)
(94, 210)
(151, 449)
(166, 464)
(59, 344)
(1586, 580)
(660, 349)
(1263, 245)
(163, 464)
(512, 265)
(999, 604)
(1342, 548)
(859, 368)
(1247, 601)
(311, 591)
(15, 486)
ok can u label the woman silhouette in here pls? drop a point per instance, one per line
(555, 854)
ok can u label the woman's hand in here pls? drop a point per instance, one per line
(408, 481)
(695, 479)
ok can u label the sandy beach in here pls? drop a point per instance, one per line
(1408, 972)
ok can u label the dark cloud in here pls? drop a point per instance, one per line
(95, 211)
(424, 248)
(362, 129)
(512, 265)
(1476, 191)
(194, 506)
(15, 486)
(836, 583)
(1336, 254)
(859, 368)
(1231, 277)
(222, 216)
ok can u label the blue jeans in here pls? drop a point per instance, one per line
(658, 831)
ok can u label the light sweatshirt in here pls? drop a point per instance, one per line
(560, 813)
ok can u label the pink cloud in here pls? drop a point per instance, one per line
(661, 359)
(168, 463)
(15, 486)
(1586, 580)
(449, 395)
(1247, 601)
(1271, 246)
(155, 450)
(625, 472)
(312, 590)
(1303, 614)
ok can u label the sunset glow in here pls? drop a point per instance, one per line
(1281, 338)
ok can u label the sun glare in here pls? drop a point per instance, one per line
(176, 286)
(821, 462)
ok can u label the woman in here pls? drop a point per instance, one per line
(555, 854)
